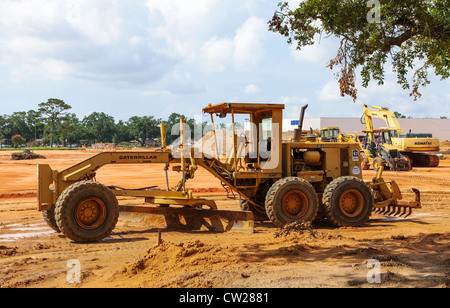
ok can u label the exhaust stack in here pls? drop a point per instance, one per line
(298, 130)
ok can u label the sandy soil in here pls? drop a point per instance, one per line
(412, 252)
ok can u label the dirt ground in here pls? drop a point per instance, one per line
(411, 252)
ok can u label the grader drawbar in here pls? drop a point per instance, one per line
(86, 211)
(302, 179)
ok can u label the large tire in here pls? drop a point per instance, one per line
(348, 202)
(49, 217)
(87, 211)
(291, 199)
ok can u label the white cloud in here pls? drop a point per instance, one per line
(52, 69)
(293, 106)
(319, 53)
(330, 92)
(182, 23)
(248, 43)
(218, 53)
(243, 52)
(293, 4)
(292, 100)
(78, 39)
(252, 89)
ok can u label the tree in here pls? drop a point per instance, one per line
(173, 127)
(121, 132)
(398, 115)
(17, 140)
(100, 126)
(68, 129)
(35, 128)
(414, 34)
(141, 128)
(53, 112)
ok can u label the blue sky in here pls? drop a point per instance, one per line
(154, 57)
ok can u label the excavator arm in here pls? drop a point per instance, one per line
(381, 113)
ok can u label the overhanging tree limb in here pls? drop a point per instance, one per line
(409, 32)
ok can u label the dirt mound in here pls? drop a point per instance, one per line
(445, 143)
(296, 228)
(164, 264)
(303, 232)
(26, 154)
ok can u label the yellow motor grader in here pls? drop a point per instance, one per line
(283, 182)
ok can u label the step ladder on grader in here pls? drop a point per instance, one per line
(298, 180)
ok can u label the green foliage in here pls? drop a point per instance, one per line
(142, 128)
(413, 34)
(53, 124)
(53, 112)
(17, 140)
(99, 127)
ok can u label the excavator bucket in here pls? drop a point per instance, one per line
(187, 218)
(401, 164)
(387, 200)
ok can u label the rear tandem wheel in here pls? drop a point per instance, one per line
(348, 202)
(291, 199)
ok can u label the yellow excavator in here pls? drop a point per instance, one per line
(414, 146)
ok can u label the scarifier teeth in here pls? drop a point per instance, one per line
(384, 210)
(409, 212)
(391, 210)
(395, 211)
(405, 213)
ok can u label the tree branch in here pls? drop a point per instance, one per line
(396, 41)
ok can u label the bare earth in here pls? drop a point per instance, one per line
(413, 252)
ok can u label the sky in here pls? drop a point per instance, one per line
(154, 57)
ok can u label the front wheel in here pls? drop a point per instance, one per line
(87, 211)
(348, 202)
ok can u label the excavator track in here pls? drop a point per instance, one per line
(422, 159)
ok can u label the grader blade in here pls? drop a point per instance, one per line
(187, 218)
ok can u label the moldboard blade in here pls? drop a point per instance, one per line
(187, 218)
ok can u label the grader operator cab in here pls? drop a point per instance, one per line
(278, 181)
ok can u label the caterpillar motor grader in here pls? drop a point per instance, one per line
(416, 147)
(280, 181)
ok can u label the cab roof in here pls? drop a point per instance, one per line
(242, 108)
